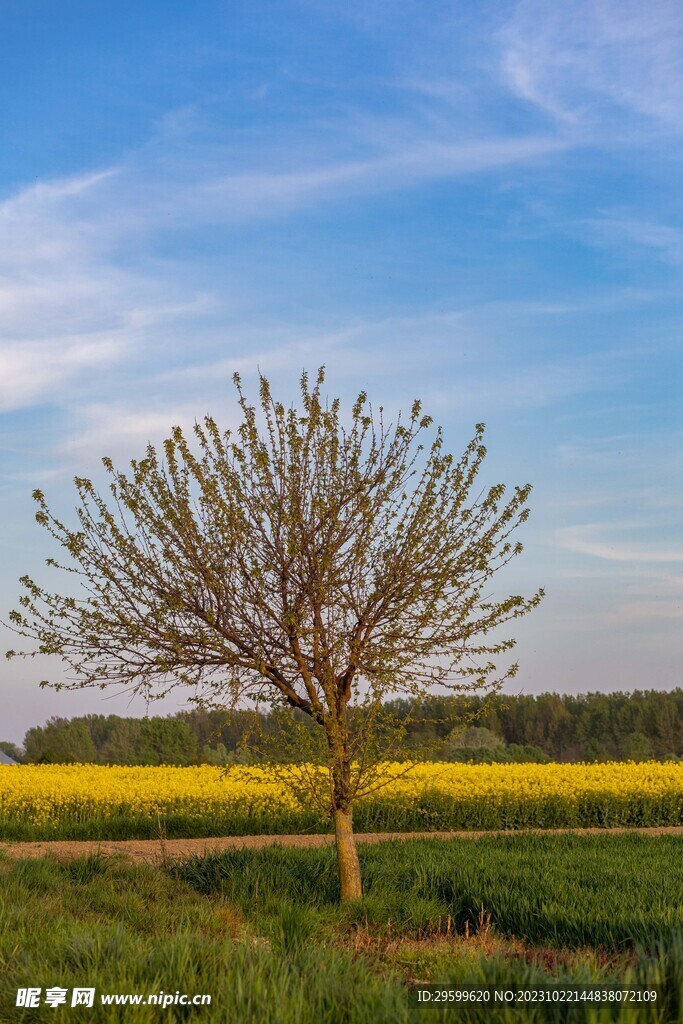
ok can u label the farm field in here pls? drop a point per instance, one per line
(44, 802)
(263, 934)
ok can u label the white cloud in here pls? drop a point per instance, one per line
(33, 371)
(255, 195)
(122, 431)
(589, 539)
(80, 290)
(631, 237)
(69, 306)
(576, 58)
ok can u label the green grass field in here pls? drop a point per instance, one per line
(261, 931)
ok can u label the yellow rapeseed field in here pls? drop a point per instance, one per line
(47, 793)
(69, 800)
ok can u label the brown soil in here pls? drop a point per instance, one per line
(155, 850)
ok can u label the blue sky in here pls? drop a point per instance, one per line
(474, 203)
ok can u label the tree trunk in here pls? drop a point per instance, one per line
(347, 857)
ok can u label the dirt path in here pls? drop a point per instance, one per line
(153, 850)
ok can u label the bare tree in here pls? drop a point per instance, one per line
(315, 565)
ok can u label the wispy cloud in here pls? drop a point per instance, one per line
(578, 59)
(589, 539)
(255, 195)
(632, 238)
(120, 431)
(69, 306)
(81, 289)
(35, 371)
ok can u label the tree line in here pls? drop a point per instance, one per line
(560, 727)
(568, 727)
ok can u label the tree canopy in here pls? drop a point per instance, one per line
(306, 560)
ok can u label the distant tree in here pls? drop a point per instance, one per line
(60, 741)
(636, 747)
(474, 737)
(313, 565)
(166, 741)
(12, 750)
(526, 753)
(150, 741)
(215, 755)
